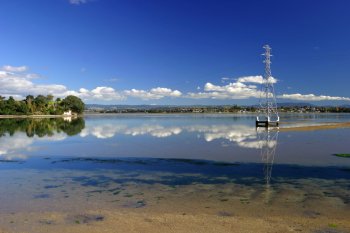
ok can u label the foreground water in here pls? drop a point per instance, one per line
(218, 169)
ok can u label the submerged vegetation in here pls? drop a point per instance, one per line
(41, 105)
(41, 127)
(343, 155)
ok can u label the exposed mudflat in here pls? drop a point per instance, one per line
(321, 126)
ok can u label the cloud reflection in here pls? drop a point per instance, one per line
(242, 135)
(103, 131)
(14, 144)
(154, 130)
(14, 147)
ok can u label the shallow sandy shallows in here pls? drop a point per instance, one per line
(306, 207)
(151, 222)
(321, 126)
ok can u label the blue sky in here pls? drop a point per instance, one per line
(175, 52)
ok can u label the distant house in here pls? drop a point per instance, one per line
(68, 113)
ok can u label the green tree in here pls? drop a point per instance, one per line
(29, 101)
(49, 97)
(40, 103)
(22, 108)
(11, 106)
(73, 103)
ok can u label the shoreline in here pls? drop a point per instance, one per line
(323, 126)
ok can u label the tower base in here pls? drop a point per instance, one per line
(266, 123)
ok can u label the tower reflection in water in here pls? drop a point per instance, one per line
(268, 138)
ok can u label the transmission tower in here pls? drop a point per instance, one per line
(268, 114)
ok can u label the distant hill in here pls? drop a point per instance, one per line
(290, 104)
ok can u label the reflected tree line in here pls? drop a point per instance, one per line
(41, 127)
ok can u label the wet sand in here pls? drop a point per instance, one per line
(294, 206)
(169, 222)
(195, 220)
(324, 126)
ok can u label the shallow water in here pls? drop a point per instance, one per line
(214, 164)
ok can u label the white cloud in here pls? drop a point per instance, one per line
(251, 79)
(15, 68)
(254, 79)
(103, 93)
(242, 88)
(311, 97)
(234, 90)
(20, 84)
(78, 2)
(154, 93)
(15, 82)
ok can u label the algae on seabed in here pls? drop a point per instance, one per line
(343, 155)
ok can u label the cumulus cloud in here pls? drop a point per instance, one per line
(102, 93)
(15, 68)
(311, 97)
(242, 88)
(255, 79)
(14, 81)
(18, 84)
(154, 93)
(234, 90)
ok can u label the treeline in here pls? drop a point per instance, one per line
(180, 109)
(214, 109)
(41, 127)
(335, 109)
(41, 105)
(326, 109)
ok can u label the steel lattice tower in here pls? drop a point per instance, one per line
(268, 106)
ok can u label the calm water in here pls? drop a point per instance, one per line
(149, 161)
